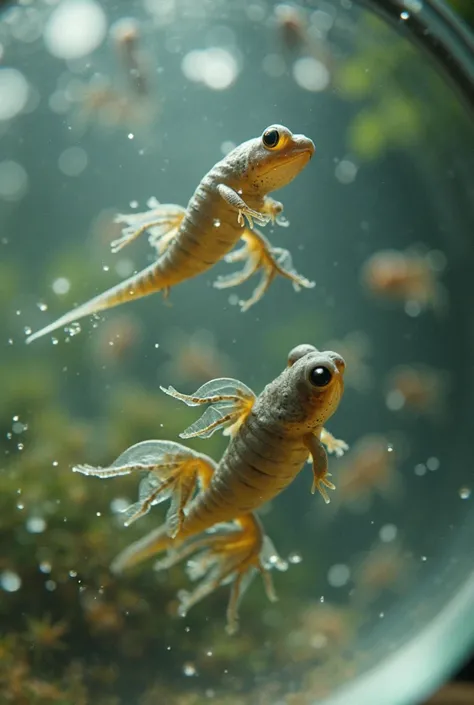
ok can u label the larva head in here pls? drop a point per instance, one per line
(308, 391)
(269, 162)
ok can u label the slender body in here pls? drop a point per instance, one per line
(271, 438)
(222, 210)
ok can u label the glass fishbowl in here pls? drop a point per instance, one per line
(359, 116)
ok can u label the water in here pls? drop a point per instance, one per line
(381, 218)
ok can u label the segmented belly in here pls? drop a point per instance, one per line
(257, 466)
(208, 232)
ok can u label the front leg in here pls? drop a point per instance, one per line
(237, 203)
(320, 467)
(274, 209)
(333, 445)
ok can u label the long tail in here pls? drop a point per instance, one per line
(151, 544)
(148, 281)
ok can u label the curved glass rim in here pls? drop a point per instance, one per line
(437, 28)
(423, 663)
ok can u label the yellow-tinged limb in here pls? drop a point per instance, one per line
(258, 254)
(320, 467)
(162, 221)
(230, 403)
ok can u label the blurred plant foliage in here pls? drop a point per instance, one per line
(389, 77)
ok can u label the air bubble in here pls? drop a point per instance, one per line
(388, 533)
(189, 669)
(10, 581)
(61, 286)
(294, 558)
(35, 525)
(339, 575)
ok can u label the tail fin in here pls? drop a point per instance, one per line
(146, 282)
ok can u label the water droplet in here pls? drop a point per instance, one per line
(130, 135)
(73, 329)
(18, 427)
(404, 15)
(27, 330)
(465, 492)
(45, 567)
(432, 464)
(10, 581)
(61, 286)
(189, 669)
(412, 308)
(294, 558)
(133, 204)
(424, 558)
(217, 223)
(73, 574)
(395, 400)
(119, 505)
(106, 268)
(338, 575)
(98, 514)
(42, 306)
(50, 585)
(420, 469)
(35, 525)
(54, 341)
(388, 533)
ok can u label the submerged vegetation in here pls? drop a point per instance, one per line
(73, 633)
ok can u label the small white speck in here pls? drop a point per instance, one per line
(465, 492)
(404, 15)
(294, 558)
(432, 464)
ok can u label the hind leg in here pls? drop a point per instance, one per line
(230, 556)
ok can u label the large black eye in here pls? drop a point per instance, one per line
(270, 138)
(320, 376)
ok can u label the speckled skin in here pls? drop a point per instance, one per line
(210, 226)
(264, 455)
(271, 446)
